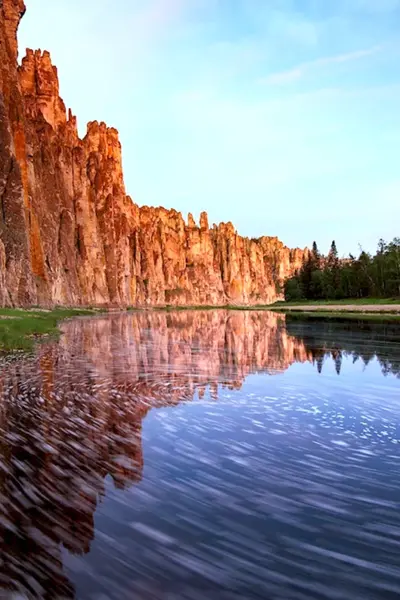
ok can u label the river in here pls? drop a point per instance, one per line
(202, 454)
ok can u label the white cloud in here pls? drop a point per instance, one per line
(291, 75)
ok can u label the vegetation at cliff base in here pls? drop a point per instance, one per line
(332, 278)
(19, 329)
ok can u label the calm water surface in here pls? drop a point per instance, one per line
(208, 454)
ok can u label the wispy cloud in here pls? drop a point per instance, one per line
(298, 72)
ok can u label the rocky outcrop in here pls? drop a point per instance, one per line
(69, 234)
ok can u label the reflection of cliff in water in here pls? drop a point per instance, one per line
(73, 414)
(60, 438)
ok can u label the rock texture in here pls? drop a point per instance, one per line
(70, 235)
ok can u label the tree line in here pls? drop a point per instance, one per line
(332, 278)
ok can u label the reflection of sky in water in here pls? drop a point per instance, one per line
(285, 489)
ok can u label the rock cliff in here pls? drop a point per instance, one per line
(70, 235)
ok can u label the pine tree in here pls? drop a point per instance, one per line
(330, 277)
(305, 276)
(333, 255)
(315, 256)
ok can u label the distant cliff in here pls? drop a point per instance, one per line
(70, 235)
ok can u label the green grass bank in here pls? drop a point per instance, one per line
(20, 329)
(378, 310)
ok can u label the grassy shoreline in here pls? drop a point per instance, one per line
(378, 310)
(21, 328)
(352, 301)
(355, 310)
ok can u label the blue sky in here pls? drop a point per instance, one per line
(279, 115)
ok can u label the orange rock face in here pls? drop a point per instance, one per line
(70, 235)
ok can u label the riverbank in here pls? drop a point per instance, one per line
(355, 308)
(359, 303)
(20, 328)
(360, 306)
(371, 309)
(376, 310)
(374, 307)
